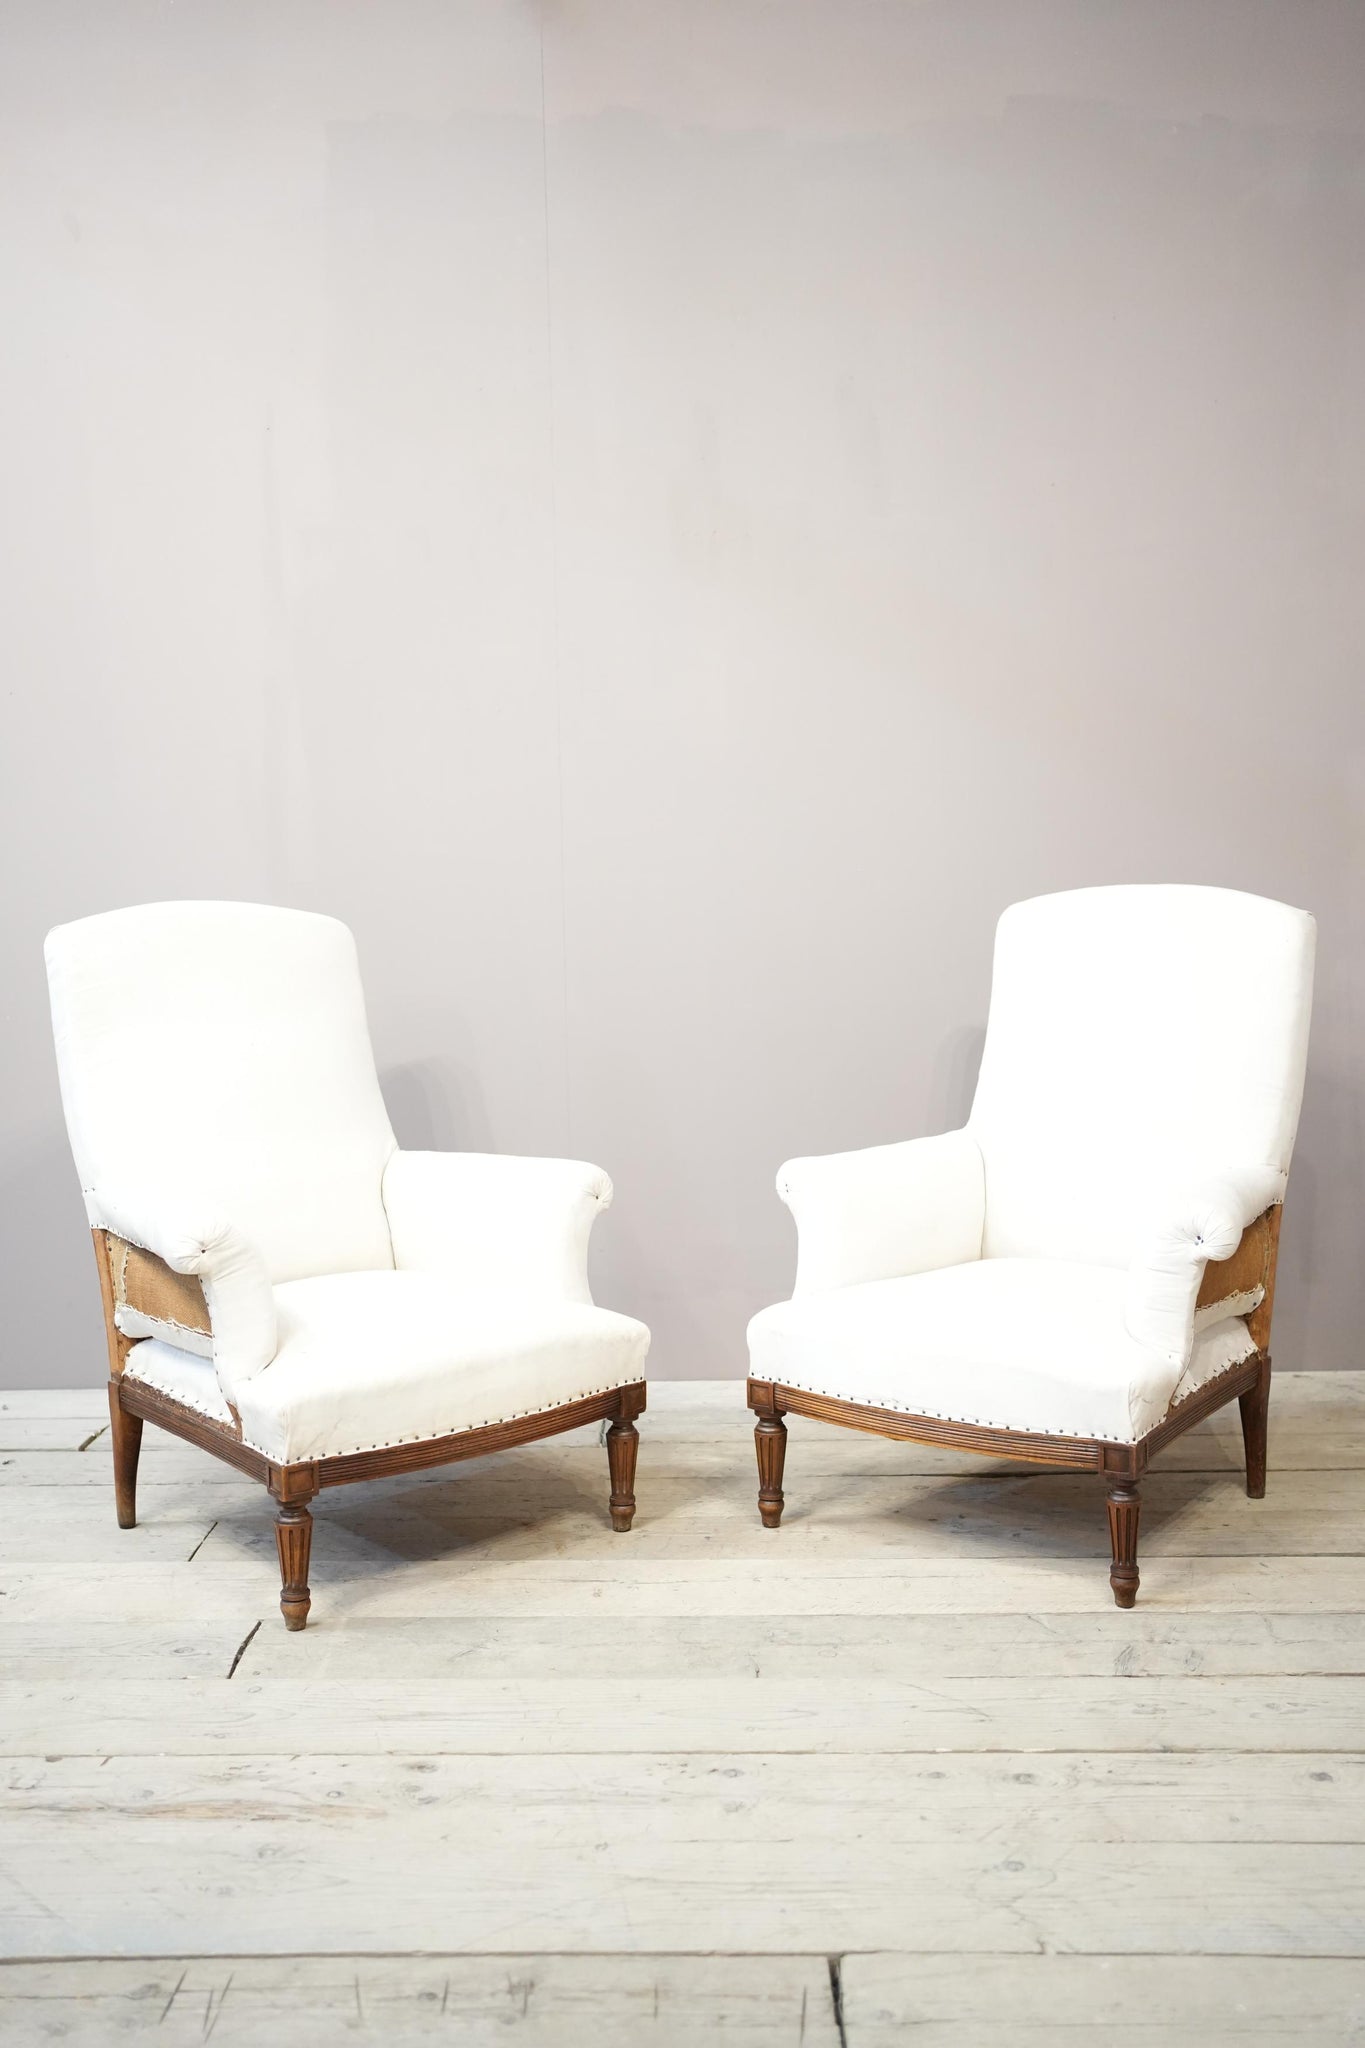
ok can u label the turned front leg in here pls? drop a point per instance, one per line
(125, 1433)
(770, 1444)
(1124, 1508)
(623, 1444)
(294, 1541)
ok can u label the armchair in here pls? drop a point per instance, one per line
(281, 1284)
(1088, 1267)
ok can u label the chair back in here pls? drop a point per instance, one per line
(1140, 1040)
(215, 1063)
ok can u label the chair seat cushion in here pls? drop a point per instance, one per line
(1031, 1344)
(373, 1359)
(186, 1377)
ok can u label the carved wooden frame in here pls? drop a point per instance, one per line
(292, 1486)
(1121, 1466)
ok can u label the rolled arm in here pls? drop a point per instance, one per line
(1164, 1277)
(496, 1223)
(228, 1267)
(885, 1212)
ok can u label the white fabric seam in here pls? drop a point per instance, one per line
(1018, 1428)
(160, 1322)
(490, 1422)
(142, 1378)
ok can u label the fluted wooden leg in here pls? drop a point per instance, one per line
(1255, 1407)
(1124, 1507)
(294, 1540)
(623, 1444)
(770, 1443)
(125, 1432)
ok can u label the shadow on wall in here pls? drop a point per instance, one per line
(952, 1083)
(54, 1333)
(436, 1107)
(1317, 1327)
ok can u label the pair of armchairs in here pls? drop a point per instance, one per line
(1080, 1273)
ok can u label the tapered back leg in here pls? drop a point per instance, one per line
(125, 1433)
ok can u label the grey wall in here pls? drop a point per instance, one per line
(666, 516)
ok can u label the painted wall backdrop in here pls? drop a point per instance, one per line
(666, 515)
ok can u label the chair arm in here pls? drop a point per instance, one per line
(885, 1212)
(1164, 1277)
(237, 1290)
(496, 1223)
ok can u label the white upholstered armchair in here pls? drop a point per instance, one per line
(281, 1283)
(1089, 1266)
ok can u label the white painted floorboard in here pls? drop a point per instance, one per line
(897, 1771)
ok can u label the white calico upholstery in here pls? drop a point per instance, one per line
(1031, 1344)
(1165, 1271)
(185, 1377)
(1141, 1041)
(391, 1357)
(1136, 1110)
(225, 1115)
(888, 1209)
(216, 1068)
(237, 1289)
(488, 1221)
(368, 1359)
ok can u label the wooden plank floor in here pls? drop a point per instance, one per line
(897, 1770)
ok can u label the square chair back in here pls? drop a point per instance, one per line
(216, 1056)
(1140, 1040)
